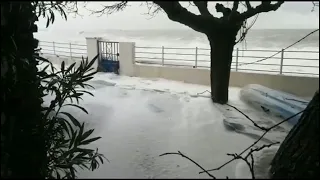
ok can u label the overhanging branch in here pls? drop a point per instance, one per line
(177, 13)
(263, 7)
(235, 6)
(110, 8)
(248, 5)
(202, 7)
(224, 10)
(234, 11)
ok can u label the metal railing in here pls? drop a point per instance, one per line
(58, 49)
(299, 63)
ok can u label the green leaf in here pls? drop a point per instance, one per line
(39, 12)
(83, 109)
(58, 175)
(48, 76)
(65, 124)
(78, 139)
(86, 151)
(42, 59)
(84, 165)
(87, 134)
(90, 74)
(83, 91)
(52, 17)
(70, 67)
(86, 79)
(76, 94)
(45, 68)
(88, 85)
(73, 120)
(93, 165)
(93, 60)
(101, 159)
(62, 12)
(48, 21)
(89, 141)
(74, 135)
(72, 173)
(62, 67)
(44, 13)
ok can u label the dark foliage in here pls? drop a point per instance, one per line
(39, 141)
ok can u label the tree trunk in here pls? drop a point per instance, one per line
(222, 45)
(22, 143)
(298, 155)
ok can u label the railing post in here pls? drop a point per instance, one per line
(162, 55)
(54, 48)
(237, 56)
(196, 63)
(281, 61)
(70, 51)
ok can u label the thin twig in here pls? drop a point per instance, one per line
(254, 123)
(109, 9)
(179, 153)
(252, 150)
(236, 156)
(260, 148)
(203, 92)
(268, 129)
(252, 166)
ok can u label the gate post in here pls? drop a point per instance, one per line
(126, 58)
(92, 49)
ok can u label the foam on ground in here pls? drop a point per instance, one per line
(139, 119)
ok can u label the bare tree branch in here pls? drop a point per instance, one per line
(179, 153)
(236, 156)
(202, 7)
(153, 9)
(225, 11)
(253, 144)
(265, 2)
(263, 7)
(235, 6)
(252, 150)
(254, 123)
(260, 148)
(234, 10)
(110, 9)
(248, 5)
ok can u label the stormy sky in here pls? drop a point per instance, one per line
(291, 15)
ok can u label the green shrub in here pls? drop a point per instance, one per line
(65, 136)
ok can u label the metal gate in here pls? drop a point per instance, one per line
(108, 56)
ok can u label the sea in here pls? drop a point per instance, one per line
(300, 59)
(256, 38)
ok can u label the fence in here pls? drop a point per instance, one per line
(300, 63)
(108, 50)
(64, 50)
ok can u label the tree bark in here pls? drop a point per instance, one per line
(221, 45)
(298, 155)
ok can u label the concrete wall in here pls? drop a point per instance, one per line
(300, 86)
(92, 50)
(126, 58)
